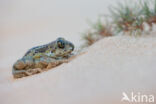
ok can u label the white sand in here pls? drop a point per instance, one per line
(108, 68)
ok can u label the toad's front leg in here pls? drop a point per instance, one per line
(56, 63)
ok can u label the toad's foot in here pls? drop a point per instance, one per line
(24, 73)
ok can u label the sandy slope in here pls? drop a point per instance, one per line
(109, 67)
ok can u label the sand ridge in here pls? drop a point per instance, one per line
(109, 67)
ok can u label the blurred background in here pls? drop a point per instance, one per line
(28, 23)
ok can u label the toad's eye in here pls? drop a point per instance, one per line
(60, 44)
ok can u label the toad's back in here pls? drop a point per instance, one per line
(59, 47)
(40, 49)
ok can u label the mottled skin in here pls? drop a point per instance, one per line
(43, 57)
